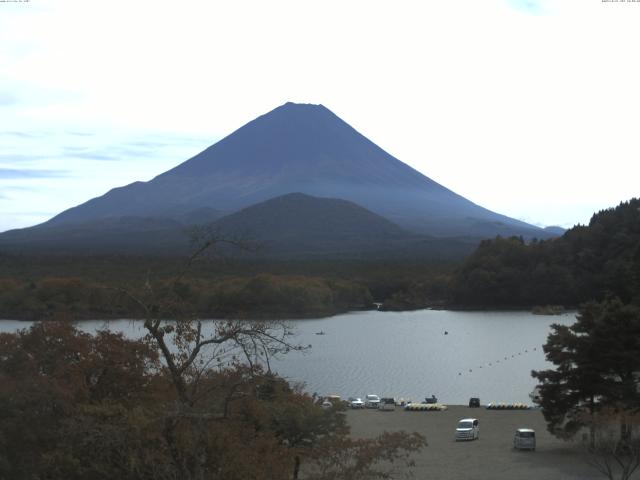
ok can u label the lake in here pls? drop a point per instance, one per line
(407, 354)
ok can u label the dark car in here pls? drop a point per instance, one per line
(524, 439)
(474, 402)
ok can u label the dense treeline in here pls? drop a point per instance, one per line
(38, 287)
(587, 262)
(259, 296)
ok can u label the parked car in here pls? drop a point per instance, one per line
(355, 402)
(524, 439)
(387, 404)
(371, 401)
(474, 402)
(468, 429)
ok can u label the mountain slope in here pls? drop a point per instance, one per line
(308, 149)
(123, 235)
(287, 227)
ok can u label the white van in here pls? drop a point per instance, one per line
(468, 429)
(371, 401)
(524, 439)
(387, 404)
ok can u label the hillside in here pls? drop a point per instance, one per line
(287, 227)
(587, 262)
(299, 225)
(123, 235)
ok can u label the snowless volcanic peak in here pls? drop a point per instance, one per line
(308, 149)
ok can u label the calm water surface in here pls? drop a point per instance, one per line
(407, 354)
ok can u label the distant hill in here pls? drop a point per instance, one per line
(294, 148)
(290, 226)
(304, 226)
(297, 217)
(587, 262)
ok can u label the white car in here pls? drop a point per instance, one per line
(355, 402)
(468, 429)
(371, 401)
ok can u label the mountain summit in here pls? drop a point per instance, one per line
(299, 148)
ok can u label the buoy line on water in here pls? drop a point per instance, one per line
(506, 358)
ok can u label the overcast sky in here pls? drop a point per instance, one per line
(530, 108)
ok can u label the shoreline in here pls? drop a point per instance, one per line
(308, 316)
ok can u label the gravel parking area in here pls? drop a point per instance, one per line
(489, 457)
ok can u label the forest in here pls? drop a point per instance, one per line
(586, 263)
(589, 262)
(41, 287)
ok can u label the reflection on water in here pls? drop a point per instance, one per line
(407, 354)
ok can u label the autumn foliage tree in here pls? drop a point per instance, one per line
(191, 400)
(80, 406)
(50, 377)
